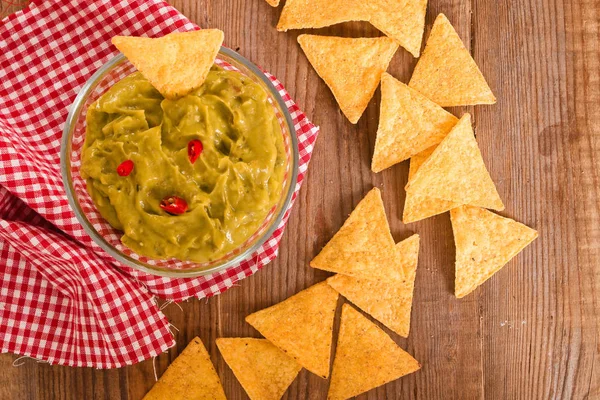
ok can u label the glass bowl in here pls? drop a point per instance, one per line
(107, 237)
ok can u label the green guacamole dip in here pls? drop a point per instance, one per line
(229, 189)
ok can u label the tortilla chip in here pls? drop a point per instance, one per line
(402, 20)
(446, 72)
(366, 357)
(190, 376)
(273, 3)
(351, 68)
(299, 14)
(408, 124)
(174, 64)
(455, 171)
(417, 207)
(363, 247)
(264, 371)
(389, 303)
(485, 242)
(302, 326)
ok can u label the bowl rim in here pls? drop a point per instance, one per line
(65, 151)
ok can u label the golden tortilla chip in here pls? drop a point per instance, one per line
(485, 242)
(365, 358)
(417, 207)
(351, 68)
(389, 303)
(455, 171)
(363, 247)
(273, 3)
(299, 14)
(302, 326)
(174, 64)
(402, 20)
(446, 72)
(191, 376)
(408, 124)
(264, 371)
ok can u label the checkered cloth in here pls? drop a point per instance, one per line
(62, 299)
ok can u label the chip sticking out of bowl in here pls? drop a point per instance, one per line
(365, 358)
(446, 73)
(455, 171)
(191, 376)
(408, 124)
(174, 64)
(389, 303)
(485, 242)
(352, 68)
(302, 326)
(363, 247)
(264, 371)
(417, 206)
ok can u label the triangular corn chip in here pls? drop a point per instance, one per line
(388, 302)
(417, 207)
(302, 326)
(446, 72)
(408, 124)
(299, 14)
(485, 242)
(174, 64)
(455, 171)
(365, 358)
(402, 20)
(363, 247)
(264, 371)
(191, 376)
(351, 68)
(273, 3)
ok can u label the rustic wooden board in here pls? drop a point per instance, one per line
(533, 331)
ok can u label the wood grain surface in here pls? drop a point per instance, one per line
(531, 332)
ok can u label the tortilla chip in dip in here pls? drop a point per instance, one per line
(174, 64)
(485, 242)
(446, 73)
(352, 68)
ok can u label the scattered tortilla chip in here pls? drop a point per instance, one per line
(299, 14)
(351, 68)
(402, 20)
(366, 357)
(455, 171)
(302, 326)
(191, 376)
(264, 371)
(389, 303)
(408, 124)
(174, 64)
(446, 72)
(417, 207)
(273, 3)
(363, 247)
(485, 242)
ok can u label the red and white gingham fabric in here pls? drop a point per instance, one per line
(62, 299)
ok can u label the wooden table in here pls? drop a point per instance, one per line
(533, 331)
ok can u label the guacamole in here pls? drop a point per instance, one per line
(191, 178)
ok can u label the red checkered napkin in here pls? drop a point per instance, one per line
(62, 298)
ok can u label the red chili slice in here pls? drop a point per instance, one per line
(194, 150)
(125, 168)
(174, 205)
